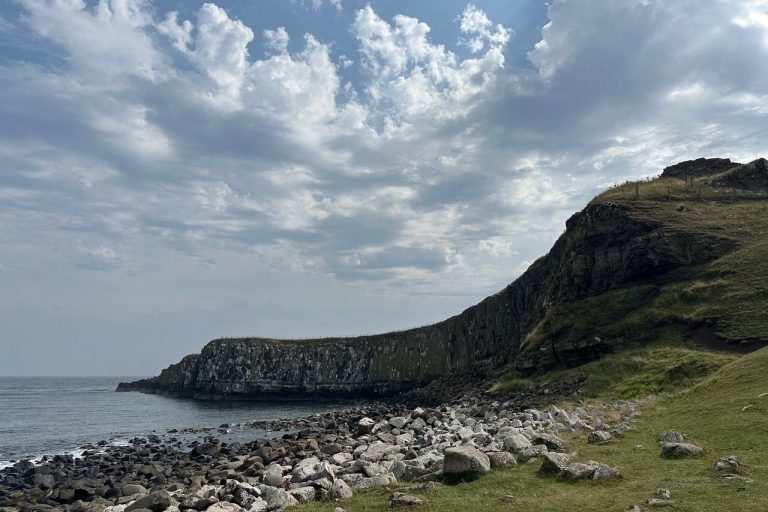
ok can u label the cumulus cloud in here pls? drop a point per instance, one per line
(395, 162)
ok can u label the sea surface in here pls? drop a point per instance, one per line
(54, 415)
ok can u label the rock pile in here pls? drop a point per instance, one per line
(355, 451)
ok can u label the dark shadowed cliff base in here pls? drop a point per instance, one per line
(640, 260)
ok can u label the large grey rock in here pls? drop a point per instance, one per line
(551, 441)
(502, 459)
(375, 481)
(516, 443)
(226, 506)
(340, 490)
(730, 463)
(680, 450)
(554, 463)
(303, 494)
(605, 472)
(365, 426)
(464, 459)
(157, 502)
(577, 471)
(277, 498)
(670, 436)
(599, 437)
(404, 500)
(273, 475)
(131, 489)
(398, 422)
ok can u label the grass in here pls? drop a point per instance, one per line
(725, 413)
(662, 367)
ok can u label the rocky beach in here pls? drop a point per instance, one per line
(324, 457)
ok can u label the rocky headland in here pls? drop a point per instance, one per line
(607, 246)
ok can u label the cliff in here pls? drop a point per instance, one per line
(623, 240)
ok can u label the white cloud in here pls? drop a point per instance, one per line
(474, 21)
(417, 79)
(754, 13)
(276, 41)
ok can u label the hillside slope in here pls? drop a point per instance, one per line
(681, 253)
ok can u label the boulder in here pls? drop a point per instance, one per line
(157, 502)
(551, 441)
(670, 436)
(502, 459)
(605, 472)
(365, 426)
(398, 422)
(340, 490)
(553, 464)
(375, 481)
(679, 450)
(273, 475)
(303, 494)
(277, 498)
(577, 471)
(404, 500)
(464, 459)
(599, 437)
(516, 443)
(730, 463)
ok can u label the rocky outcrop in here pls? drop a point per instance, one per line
(605, 246)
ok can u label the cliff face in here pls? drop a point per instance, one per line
(605, 246)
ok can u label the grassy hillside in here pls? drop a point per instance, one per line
(725, 299)
(726, 413)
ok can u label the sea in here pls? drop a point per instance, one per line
(58, 415)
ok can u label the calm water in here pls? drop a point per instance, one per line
(49, 415)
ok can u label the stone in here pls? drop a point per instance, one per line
(404, 500)
(375, 481)
(502, 459)
(273, 475)
(464, 459)
(465, 433)
(324, 470)
(599, 437)
(730, 463)
(664, 493)
(554, 463)
(277, 498)
(225, 506)
(398, 422)
(157, 502)
(303, 494)
(551, 441)
(577, 471)
(670, 436)
(605, 472)
(656, 502)
(516, 443)
(365, 426)
(331, 449)
(340, 459)
(340, 490)
(679, 450)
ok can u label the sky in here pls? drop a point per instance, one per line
(175, 171)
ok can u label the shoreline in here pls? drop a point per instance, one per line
(325, 456)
